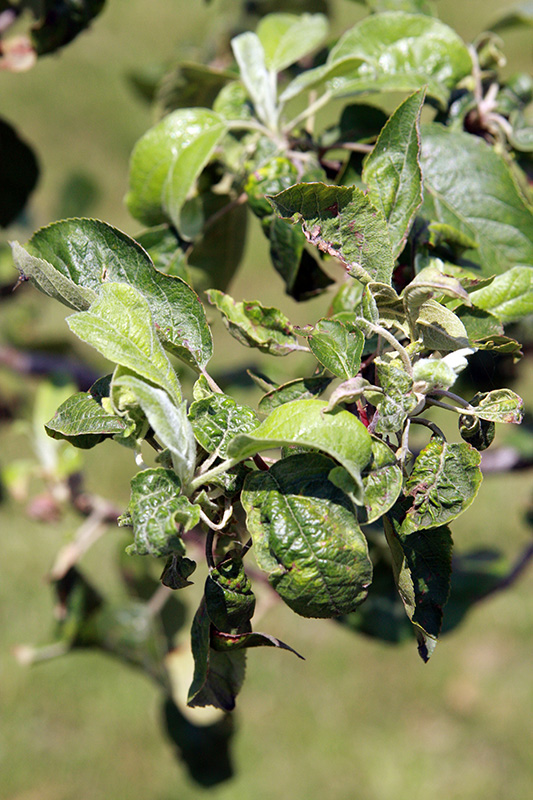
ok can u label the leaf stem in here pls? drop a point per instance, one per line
(212, 473)
(310, 111)
(451, 396)
(428, 424)
(391, 339)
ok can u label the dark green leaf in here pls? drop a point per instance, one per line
(177, 571)
(60, 21)
(342, 222)
(300, 271)
(239, 641)
(306, 537)
(477, 432)
(337, 347)
(218, 676)
(217, 419)
(19, 172)
(443, 483)
(159, 513)
(255, 325)
(392, 170)
(166, 250)
(479, 324)
(469, 185)
(229, 600)
(382, 481)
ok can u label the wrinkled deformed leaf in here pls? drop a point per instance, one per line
(166, 162)
(83, 422)
(443, 483)
(469, 185)
(422, 570)
(255, 325)
(396, 402)
(218, 676)
(168, 419)
(382, 481)
(342, 222)
(81, 255)
(303, 422)
(286, 38)
(177, 571)
(306, 537)
(337, 347)
(510, 295)
(298, 389)
(229, 599)
(500, 405)
(477, 432)
(392, 170)
(217, 419)
(159, 513)
(239, 641)
(119, 325)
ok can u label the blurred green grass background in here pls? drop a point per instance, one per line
(358, 719)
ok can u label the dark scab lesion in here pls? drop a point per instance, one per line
(333, 209)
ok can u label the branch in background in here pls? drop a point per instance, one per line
(32, 362)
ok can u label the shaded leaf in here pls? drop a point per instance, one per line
(229, 599)
(439, 328)
(239, 641)
(392, 170)
(177, 571)
(297, 389)
(382, 481)
(190, 86)
(306, 537)
(60, 21)
(337, 347)
(19, 172)
(520, 15)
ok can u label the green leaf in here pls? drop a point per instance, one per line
(469, 185)
(250, 57)
(297, 389)
(89, 253)
(239, 641)
(229, 600)
(286, 38)
(167, 418)
(19, 172)
(190, 85)
(411, 6)
(477, 432)
(396, 402)
(166, 250)
(392, 170)
(500, 405)
(82, 421)
(387, 52)
(60, 22)
(382, 481)
(159, 513)
(443, 483)
(303, 422)
(520, 15)
(177, 571)
(119, 325)
(218, 677)
(439, 328)
(337, 347)
(342, 222)
(509, 297)
(255, 325)
(422, 570)
(166, 162)
(479, 324)
(306, 537)
(217, 419)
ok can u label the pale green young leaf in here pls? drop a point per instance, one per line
(91, 253)
(303, 422)
(167, 418)
(392, 170)
(119, 325)
(342, 222)
(260, 83)
(337, 347)
(439, 328)
(166, 162)
(469, 186)
(306, 537)
(286, 38)
(443, 483)
(255, 325)
(510, 295)
(159, 513)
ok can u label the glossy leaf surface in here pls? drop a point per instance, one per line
(306, 537)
